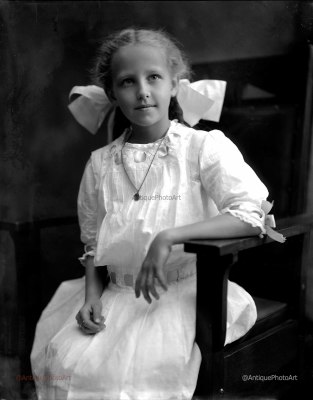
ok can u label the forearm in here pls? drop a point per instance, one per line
(94, 284)
(220, 227)
(223, 226)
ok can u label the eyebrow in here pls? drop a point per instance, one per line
(131, 75)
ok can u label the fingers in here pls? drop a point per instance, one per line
(89, 327)
(85, 320)
(140, 285)
(145, 283)
(137, 285)
(81, 323)
(96, 313)
(86, 330)
(150, 287)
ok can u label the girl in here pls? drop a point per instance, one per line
(141, 197)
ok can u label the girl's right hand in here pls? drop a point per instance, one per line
(89, 317)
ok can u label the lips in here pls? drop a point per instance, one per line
(144, 106)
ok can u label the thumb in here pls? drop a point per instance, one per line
(96, 312)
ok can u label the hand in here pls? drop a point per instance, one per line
(89, 317)
(152, 268)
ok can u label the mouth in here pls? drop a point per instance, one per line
(145, 106)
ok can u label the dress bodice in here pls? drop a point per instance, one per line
(194, 175)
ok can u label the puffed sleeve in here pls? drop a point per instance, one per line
(230, 181)
(87, 208)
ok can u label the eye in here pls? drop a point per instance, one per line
(126, 82)
(154, 77)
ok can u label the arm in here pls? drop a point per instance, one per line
(94, 285)
(224, 226)
(219, 227)
(238, 194)
(89, 317)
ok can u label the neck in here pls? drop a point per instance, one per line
(149, 134)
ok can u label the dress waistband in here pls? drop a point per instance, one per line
(172, 276)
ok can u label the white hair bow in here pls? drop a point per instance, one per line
(198, 100)
(269, 223)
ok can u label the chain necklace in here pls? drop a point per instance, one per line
(136, 196)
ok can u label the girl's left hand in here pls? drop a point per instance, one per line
(152, 268)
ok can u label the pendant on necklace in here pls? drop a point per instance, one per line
(136, 196)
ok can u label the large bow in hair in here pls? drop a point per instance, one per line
(91, 107)
(201, 100)
(198, 100)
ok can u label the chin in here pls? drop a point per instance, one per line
(146, 123)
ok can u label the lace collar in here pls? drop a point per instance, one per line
(168, 145)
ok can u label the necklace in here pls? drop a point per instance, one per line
(136, 196)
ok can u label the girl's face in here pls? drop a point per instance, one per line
(143, 86)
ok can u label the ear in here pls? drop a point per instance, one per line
(110, 95)
(175, 86)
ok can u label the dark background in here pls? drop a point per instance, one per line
(46, 48)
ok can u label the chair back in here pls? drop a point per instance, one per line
(268, 114)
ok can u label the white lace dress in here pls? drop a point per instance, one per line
(147, 351)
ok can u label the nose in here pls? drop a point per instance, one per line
(143, 91)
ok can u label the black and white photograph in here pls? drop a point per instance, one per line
(156, 200)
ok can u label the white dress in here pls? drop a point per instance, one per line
(147, 351)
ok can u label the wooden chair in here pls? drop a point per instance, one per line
(275, 275)
(268, 114)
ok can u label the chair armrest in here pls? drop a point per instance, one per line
(214, 260)
(289, 227)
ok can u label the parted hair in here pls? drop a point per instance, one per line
(177, 63)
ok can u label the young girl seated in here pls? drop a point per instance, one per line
(159, 184)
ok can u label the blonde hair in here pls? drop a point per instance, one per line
(177, 61)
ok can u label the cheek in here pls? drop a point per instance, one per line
(166, 98)
(123, 99)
